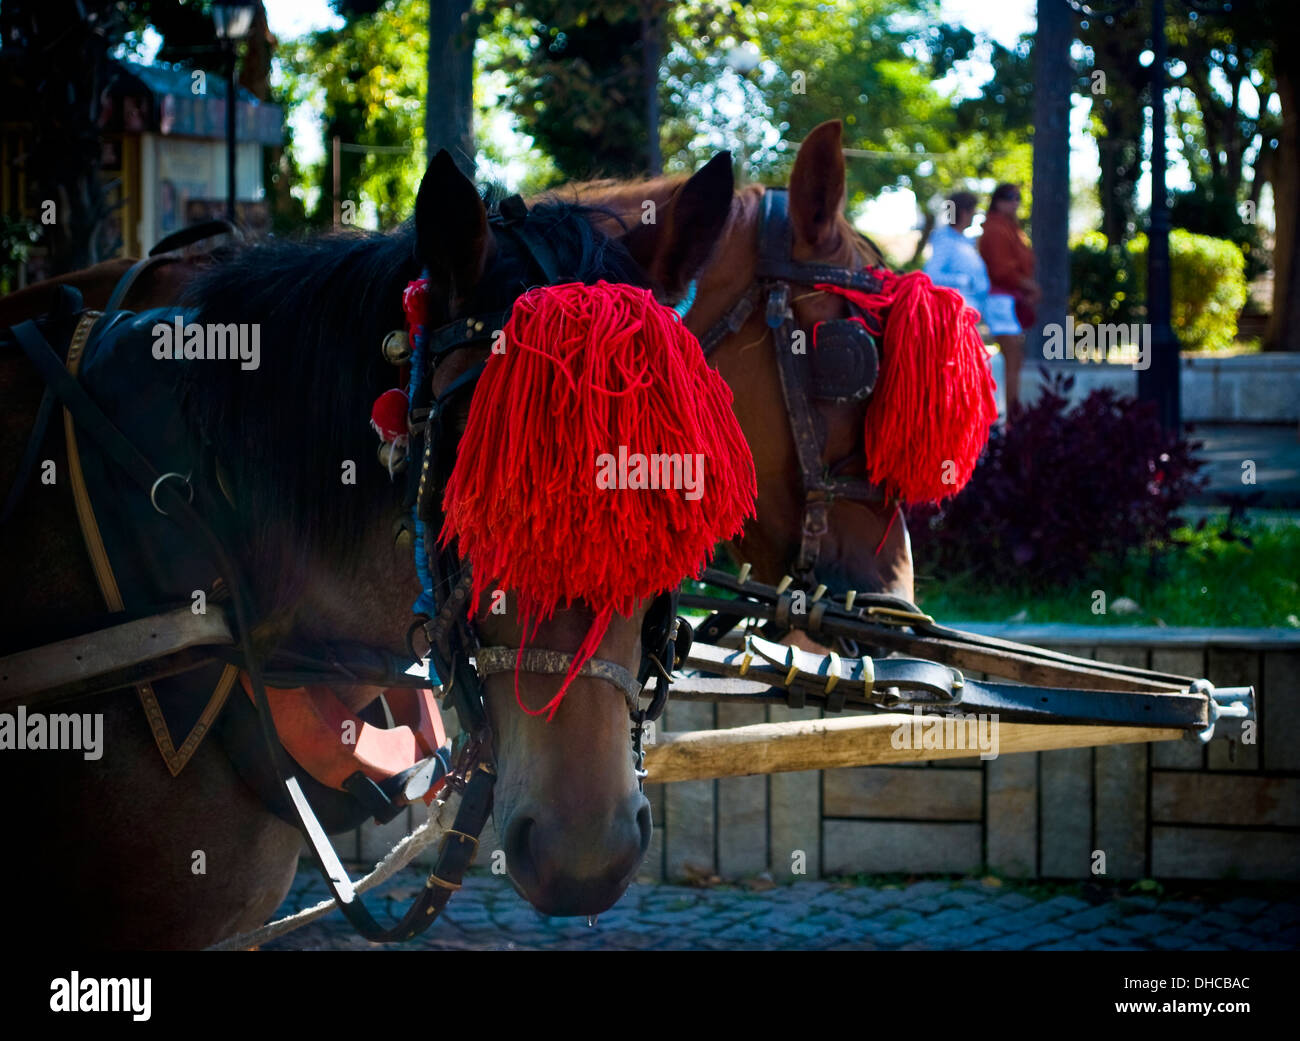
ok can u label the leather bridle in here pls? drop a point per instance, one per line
(840, 368)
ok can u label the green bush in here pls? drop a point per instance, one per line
(1211, 208)
(1103, 286)
(17, 236)
(1207, 283)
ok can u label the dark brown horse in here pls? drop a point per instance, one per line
(866, 547)
(114, 840)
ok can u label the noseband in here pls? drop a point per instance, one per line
(442, 611)
(841, 368)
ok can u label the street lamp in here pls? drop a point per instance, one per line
(233, 20)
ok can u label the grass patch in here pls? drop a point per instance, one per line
(1216, 575)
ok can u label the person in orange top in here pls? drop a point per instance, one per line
(1014, 294)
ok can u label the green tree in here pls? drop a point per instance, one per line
(368, 80)
(875, 64)
(1116, 82)
(579, 76)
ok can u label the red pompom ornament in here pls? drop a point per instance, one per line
(415, 302)
(388, 417)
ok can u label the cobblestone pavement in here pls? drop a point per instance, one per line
(970, 914)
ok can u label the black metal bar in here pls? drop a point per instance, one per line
(1159, 381)
(231, 101)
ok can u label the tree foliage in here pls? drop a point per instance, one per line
(578, 79)
(367, 80)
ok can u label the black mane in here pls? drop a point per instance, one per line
(282, 431)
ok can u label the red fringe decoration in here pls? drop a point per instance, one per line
(588, 370)
(929, 417)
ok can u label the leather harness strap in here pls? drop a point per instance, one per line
(837, 683)
(174, 757)
(491, 660)
(62, 317)
(186, 236)
(775, 273)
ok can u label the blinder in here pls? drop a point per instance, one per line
(844, 361)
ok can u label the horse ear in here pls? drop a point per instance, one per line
(451, 229)
(817, 185)
(673, 248)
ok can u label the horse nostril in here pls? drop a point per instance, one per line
(519, 852)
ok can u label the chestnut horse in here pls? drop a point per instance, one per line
(112, 840)
(866, 547)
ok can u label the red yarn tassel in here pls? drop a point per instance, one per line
(587, 371)
(929, 417)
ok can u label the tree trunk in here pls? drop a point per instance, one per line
(1051, 215)
(1283, 332)
(449, 107)
(927, 229)
(1120, 158)
(255, 68)
(1120, 108)
(650, 87)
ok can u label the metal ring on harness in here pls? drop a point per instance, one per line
(153, 492)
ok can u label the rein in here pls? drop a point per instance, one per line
(1053, 687)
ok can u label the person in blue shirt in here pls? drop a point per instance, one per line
(955, 261)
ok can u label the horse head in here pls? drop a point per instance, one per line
(861, 543)
(568, 803)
